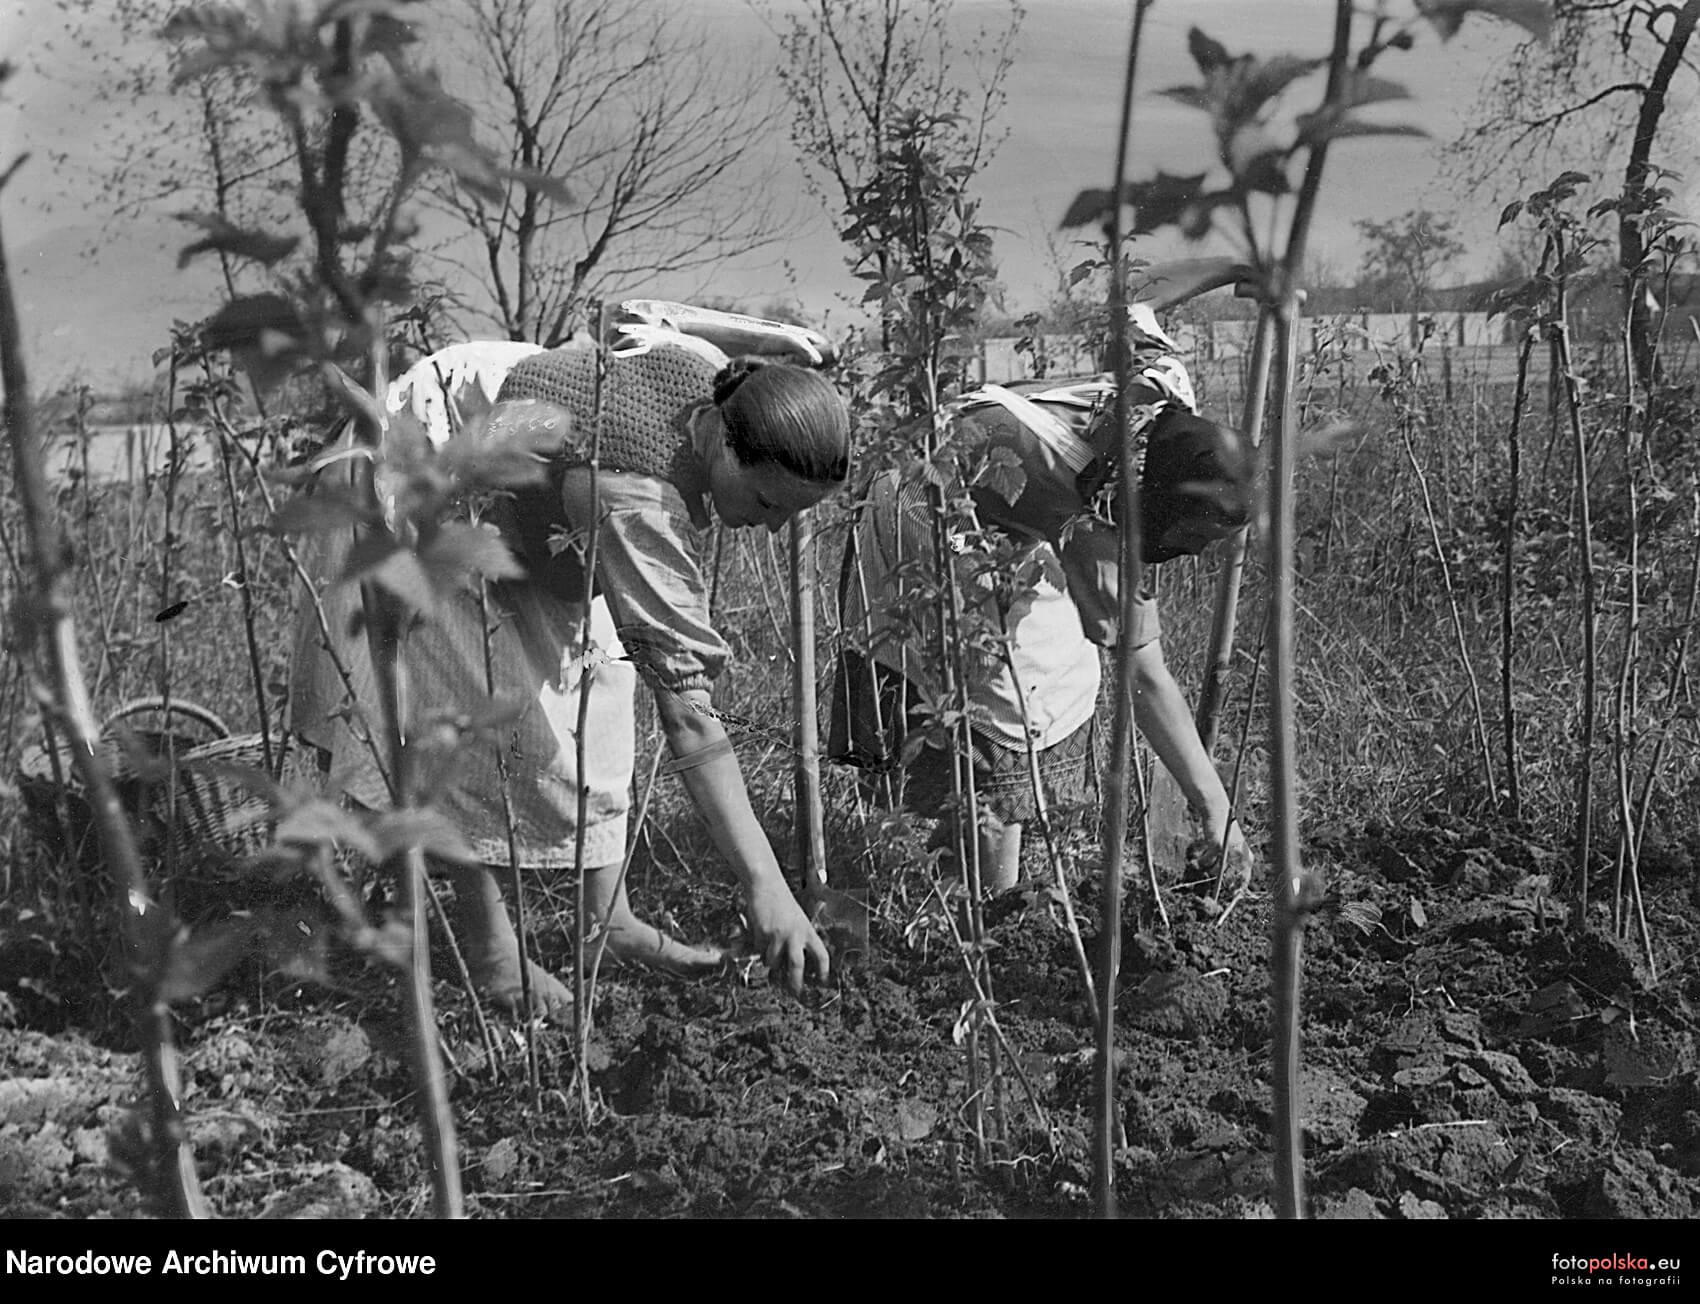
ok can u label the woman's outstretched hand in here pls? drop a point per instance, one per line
(782, 934)
(1234, 876)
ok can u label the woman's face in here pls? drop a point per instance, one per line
(766, 495)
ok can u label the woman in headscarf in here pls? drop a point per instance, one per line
(684, 432)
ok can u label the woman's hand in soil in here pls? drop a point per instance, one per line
(1234, 874)
(779, 930)
(782, 934)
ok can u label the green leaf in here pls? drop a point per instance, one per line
(1209, 54)
(320, 512)
(243, 322)
(1002, 474)
(1194, 97)
(368, 553)
(1361, 89)
(1080, 271)
(429, 830)
(475, 170)
(1196, 218)
(433, 128)
(263, 334)
(1163, 200)
(1333, 124)
(1267, 78)
(318, 822)
(540, 183)
(404, 577)
(1235, 91)
(460, 553)
(1447, 16)
(1088, 206)
(1257, 161)
(516, 456)
(223, 237)
(227, 33)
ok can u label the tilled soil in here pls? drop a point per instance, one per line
(1467, 1055)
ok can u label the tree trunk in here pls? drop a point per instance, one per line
(1632, 243)
(810, 827)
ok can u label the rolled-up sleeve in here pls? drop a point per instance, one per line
(649, 568)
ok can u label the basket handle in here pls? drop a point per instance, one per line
(176, 706)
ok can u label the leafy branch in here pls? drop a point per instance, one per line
(1240, 94)
(325, 74)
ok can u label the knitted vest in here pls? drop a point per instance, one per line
(647, 402)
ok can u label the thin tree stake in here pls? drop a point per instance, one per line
(1225, 618)
(1129, 577)
(587, 671)
(250, 622)
(147, 928)
(1508, 580)
(1586, 710)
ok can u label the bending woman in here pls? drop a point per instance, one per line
(1043, 695)
(683, 431)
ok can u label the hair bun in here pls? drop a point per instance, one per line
(734, 374)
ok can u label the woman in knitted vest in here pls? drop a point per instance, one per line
(682, 430)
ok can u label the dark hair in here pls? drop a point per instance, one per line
(1196, 472)
(776, 412)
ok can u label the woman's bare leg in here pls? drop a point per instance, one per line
(491, 947)
(1000, 856)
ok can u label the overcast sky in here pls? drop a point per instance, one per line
(98, 299)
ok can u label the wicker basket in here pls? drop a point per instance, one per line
(56, 812)
(200, 808)
(216, 816)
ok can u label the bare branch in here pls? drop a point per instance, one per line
(616, 101)
(17, 163)
(1571, 110)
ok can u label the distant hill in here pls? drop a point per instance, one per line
(105, 336)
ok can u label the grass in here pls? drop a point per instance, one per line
(1386, 730)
